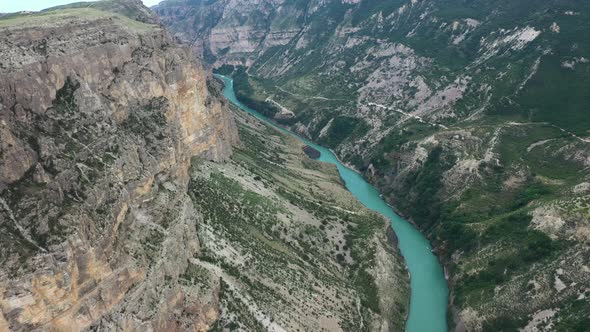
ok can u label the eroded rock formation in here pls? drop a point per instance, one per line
(100, 116)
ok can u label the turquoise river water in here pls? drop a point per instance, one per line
(429, 291)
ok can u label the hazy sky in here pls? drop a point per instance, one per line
(9, 6)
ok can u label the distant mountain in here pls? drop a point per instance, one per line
(472, 117)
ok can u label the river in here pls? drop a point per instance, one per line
(429, 291)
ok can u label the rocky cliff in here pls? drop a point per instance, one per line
(100, 115)
(470, 116)
(232, 31)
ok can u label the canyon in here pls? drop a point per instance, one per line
(469, 116)
(134, 196)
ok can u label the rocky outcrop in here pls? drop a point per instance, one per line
(100, 116)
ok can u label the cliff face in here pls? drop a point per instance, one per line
(470, 116)
(232, 31)
(100, 116)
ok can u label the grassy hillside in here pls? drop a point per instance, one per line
(289, 241)
(54, 15)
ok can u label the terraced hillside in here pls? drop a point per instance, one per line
(472, 117)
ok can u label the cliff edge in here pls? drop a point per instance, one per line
(100, 115)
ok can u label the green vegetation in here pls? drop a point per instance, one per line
(425, 184)
(234, 305)
(248, 96)
(64, 97)
(574, 316)
(342, 128)
(226, 70)
(521, 247)
(504, 323)
(195, 275)
(557, 94)
(394, 141)
(55, 15)
(363, 259)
